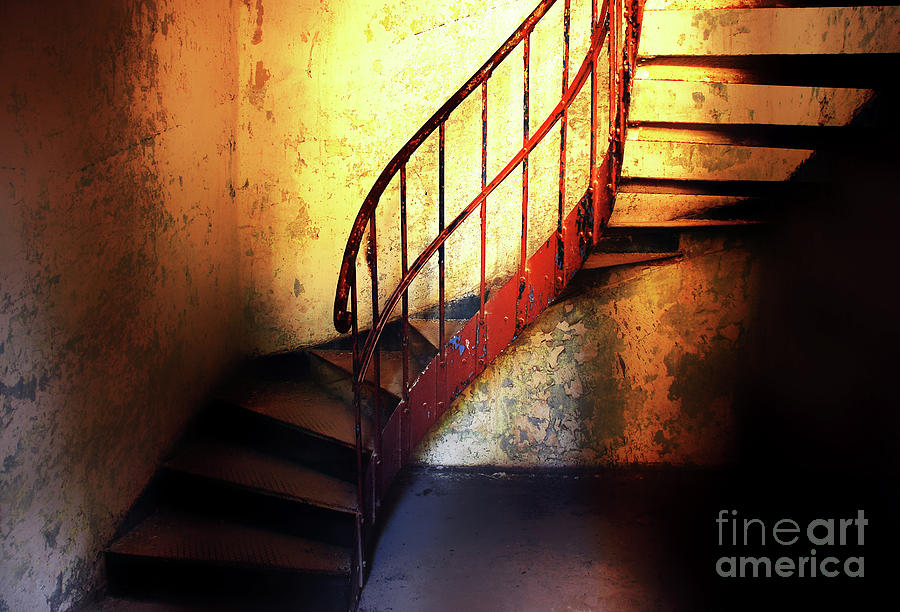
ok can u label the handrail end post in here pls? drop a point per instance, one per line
(342, 320)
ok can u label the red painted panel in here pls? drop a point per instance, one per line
(577, 225)
(461, 361)
(602, 197)
(518, 302)
(500, 321)
(421, 403)
(540, 280)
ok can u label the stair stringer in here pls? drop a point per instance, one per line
(508, 311)
(517, 303)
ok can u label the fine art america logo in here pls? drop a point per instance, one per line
(834, 538)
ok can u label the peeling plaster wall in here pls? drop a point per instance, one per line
(119, 301)
(641, 367)
(330, 91)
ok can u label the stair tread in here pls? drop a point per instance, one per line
(608, 260)
(391, 368)
(647, 208)
(660, 5)
(702, 102)
(124, 604)
(686, 223)
(255, 470)
(743, 189)
(768, 136)
(302, 404)
(711, 162)
(175, 537)
(430, 328)
(836, 71)
(756, 31)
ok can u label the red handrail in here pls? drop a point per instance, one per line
(546, 272)
(432, 248)
(367, 210)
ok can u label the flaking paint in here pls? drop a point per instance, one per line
(641, 367)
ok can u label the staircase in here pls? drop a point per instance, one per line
(271, 499)
(255, 508)
(731, 103)
(732, 97)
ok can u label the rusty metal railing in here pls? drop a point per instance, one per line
(507, 311)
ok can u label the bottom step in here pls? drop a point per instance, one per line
(175, 537)
(227, 566)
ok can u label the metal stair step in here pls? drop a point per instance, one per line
(430, 328)
(643, 209)
(301, 404)
(391, 339)
(755, 31)
(710, 162)
(715, 102)
(772, 136)
(391, 368)
(269, 475)
(596, 261)
(685, 223)
(855, 71)
(659, 5)
(173, 537)
(740, 189)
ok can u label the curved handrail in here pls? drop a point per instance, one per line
(574, 88)
(342, 321)
(571, 232)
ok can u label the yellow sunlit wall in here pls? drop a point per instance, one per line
(329, 92)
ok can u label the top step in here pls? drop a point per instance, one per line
(676, 5)
(771, 31)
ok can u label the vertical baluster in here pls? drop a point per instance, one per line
(563, 124)
(620, 78)
(636, 18)
(593, 162)
(376, 365)
(442, 372)
(631, 19)
(526, 130)
(629, 35)
(482, 340)
(612, 107)
(404, 265)
(441, 329)
(357, 405)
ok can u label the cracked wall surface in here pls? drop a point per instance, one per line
(118, 267)
(640, 367)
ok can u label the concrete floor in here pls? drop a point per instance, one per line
(478, 541)
(619, 540)
(622, 540)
